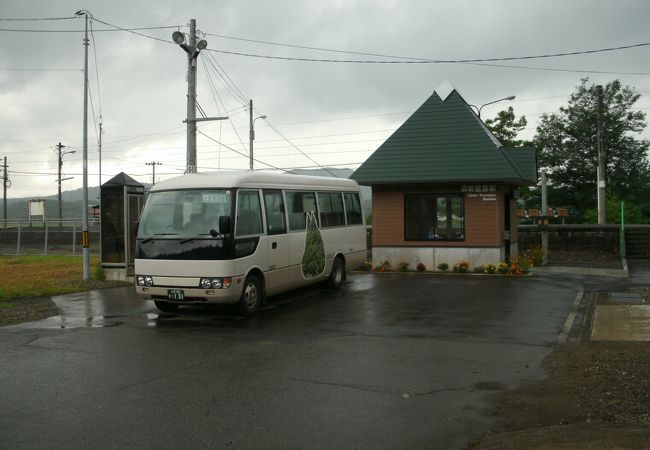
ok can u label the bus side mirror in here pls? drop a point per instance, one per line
(224, 224)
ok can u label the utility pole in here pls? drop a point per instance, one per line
(5, 185)
(60, 147)
(153, 175)
(192, 48)
(602, 201)
(191, 101)
(85, 237)
(544, 226)
(251, 133)
(101, 131)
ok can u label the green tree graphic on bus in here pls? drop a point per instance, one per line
(313, 260)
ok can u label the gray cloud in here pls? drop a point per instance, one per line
(142, 81)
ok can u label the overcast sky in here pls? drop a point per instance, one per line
(332, 113)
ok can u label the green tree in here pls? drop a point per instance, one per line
(567, 148)
(633, 213)
(506, 127)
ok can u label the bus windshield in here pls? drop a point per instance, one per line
(186, 214)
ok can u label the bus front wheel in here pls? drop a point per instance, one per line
(251, 296)
(165, 306)
(338, 273)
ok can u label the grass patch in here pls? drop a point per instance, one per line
(28, 282)
(37, 276)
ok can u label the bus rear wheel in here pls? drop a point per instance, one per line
(165, 306)
(337, 275)
(251, 296)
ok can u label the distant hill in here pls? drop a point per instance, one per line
(18, 208)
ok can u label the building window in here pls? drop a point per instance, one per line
(434, 217)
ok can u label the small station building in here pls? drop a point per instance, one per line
(444, 188)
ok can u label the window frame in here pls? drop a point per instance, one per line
(237, 212)
(434, 198)
(284, 229)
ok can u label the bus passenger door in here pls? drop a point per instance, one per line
(278, 247)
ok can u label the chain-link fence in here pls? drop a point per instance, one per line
(24, 237)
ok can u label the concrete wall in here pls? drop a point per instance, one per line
(431, 257)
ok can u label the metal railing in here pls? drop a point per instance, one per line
(52, 236)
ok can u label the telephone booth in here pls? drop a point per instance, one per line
(122, 199)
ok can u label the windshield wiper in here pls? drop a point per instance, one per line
(154, 236)
(213, 233)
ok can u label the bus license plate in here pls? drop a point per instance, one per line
(175, 294)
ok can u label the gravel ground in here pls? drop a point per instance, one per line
(26, 310)
(580, 258)
(596, 395)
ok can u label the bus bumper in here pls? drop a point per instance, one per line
(180, 293)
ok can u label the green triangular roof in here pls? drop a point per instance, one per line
(445, 141)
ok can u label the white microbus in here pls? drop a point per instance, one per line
(236, 237)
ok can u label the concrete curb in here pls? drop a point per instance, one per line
(568, 323)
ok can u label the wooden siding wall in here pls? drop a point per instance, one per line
(484, 219)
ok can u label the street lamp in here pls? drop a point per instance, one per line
(252, 132)
(478, 110)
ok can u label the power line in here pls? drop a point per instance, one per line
(296, 147)
(410, 60)
(551, 55)
(39, 18)
(240, 153)
(27, 69)
(132, 31)
(102, 30)
(555, 69)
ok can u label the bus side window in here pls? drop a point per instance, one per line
(249, 214)
(353, 209)
(274, 204)
(331, 209)
(299, 203)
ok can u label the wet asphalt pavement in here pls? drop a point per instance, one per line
(388, 361)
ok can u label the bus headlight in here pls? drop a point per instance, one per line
(215, 283)
(144, 280)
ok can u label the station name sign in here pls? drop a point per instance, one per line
(486, 192)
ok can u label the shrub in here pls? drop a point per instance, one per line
(366, 266)
(443, 267)
(383, 267)
(503, 268)
(461, 267)
(515, 269)
(534, 256)
(421, 267)
(99, 272)
(403, 266)
(523, 264)
(478, 269)
(490, 268)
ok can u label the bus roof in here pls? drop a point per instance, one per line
(253, 179)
